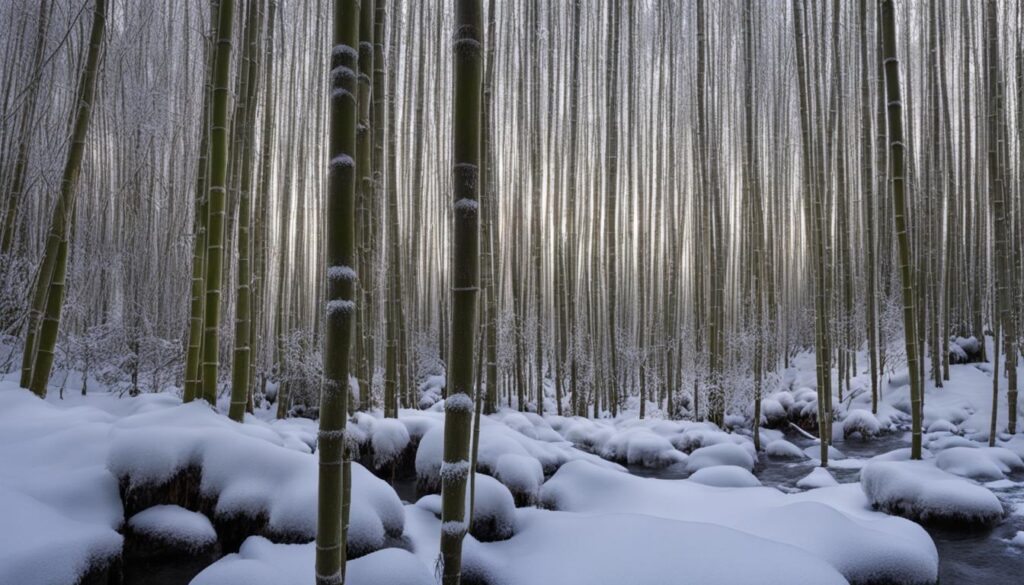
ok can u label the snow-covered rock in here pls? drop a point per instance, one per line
(725, 476)
(175, 528)
(783, 449)
(389, 438)
(979, 463)
(720, 454)
(522, 475)
(861, 423)
(920, 491)
(818, 477)
(494, 510)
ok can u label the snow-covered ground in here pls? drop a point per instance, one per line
(80, 475)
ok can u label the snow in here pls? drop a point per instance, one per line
(248, 471)
(979, 464)
(43, 546)
(919, 490)
(834, 524)
(494, 510)
(261, 562)
(174, 526)
(861, 423)
(819, 477)
(575, 549)
(720, 454)
(783, 449)
(389, 438)
(523, 475)
(725, 476)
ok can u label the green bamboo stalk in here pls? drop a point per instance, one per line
(216, 201)
(341, 285)
(193, 373)
(467, 53)
(48, 297)
(897, 150)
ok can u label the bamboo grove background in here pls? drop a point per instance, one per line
(660, 216)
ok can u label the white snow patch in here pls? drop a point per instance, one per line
(174, 526)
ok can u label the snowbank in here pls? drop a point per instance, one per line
(261, 562)
(834, 524)
(247, 472)
(918, 490)
(42, 546)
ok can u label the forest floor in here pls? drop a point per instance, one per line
(166, 493)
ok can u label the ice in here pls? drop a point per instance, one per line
(175, 527)
(919, 490)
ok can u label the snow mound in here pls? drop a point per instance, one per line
(522, 475)
(248, 472)
(576, 549)
(861, 423)
(261, 562)
(783, 449)
(814, 452)
(175, 527)
(979, 463)
(819, 477)
(720, 454)
(725, 476)
(42, 546)
(833, 523)
(494, 510)
(389, 438)
(640, 446)
(920, 491)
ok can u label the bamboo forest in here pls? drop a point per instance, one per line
(511, 292)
